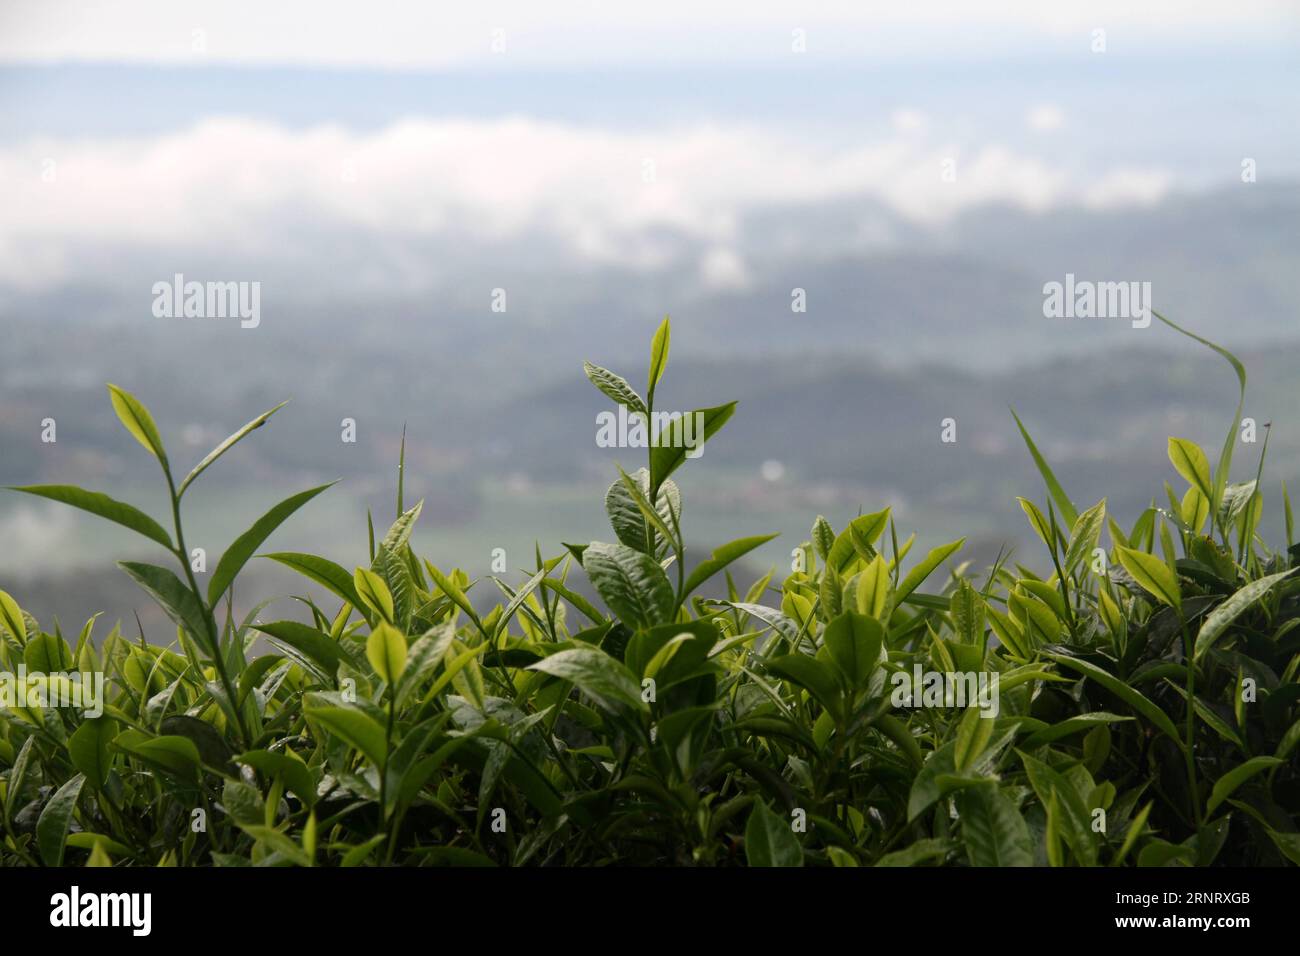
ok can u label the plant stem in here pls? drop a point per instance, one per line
(1193, 792)
(182, 555)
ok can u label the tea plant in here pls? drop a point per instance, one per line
(1131, 705)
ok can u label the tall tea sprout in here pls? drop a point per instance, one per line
(188, 606)
(645, 507)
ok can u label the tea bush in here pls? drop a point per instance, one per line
(1131, 706)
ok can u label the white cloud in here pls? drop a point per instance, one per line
(32, 531)
(410, 34)
(266, 190)
(722, 268)
(1045, 118)
(908, 120)
(1127, 187)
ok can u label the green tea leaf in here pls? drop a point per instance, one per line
(246, 544)
(616, 388)
(225, 446)
(1225, 457)
(52, 827)
(1064, 505)
(606, 681)
(918, 574)
(18, 776)
(813, 676)
(823, 537)
(628, 508)
(452, 590)
(287, 765)
(922, 851)
(721, 557)
(357, 728)
(276, 841)
(873, 588)
(1218, 621)
(517, 601)
(994, 832)
(88, 749)
(668, 447)
(102, 505)
(1072, 725)
(1038, 521)
(386, 651)
(137, 420)
(1190, 462)
(1073, 820)
(1124, 692)
(374, 593)
(176, 755)
(315, 645)
(47, 654)
(973, 734)
(864, 530)
(1288, 844)
(463, 658)
(1134, 831)
(1234, 778)
(321, 570)
(769, 840)
(670, 650)
(632, 584)
(926, 785)
(968, 612)
(175, 598)
(1153, 574)
(11, 618)
(659, 353)
(854, 642)
(398, 534)
(1085, 534)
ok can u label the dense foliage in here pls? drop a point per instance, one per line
(1146, 708)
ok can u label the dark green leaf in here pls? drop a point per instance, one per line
(317, 646)
(606, 681)
(631, 583)
(1125, 693)
(321, 570)
(669, 450)
(88, 749)
(175, 598)
(722, 557)
(992, 828)
(769, 840)
(52, 827)
(120, 512)
(1064, 505)
(247, 543)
